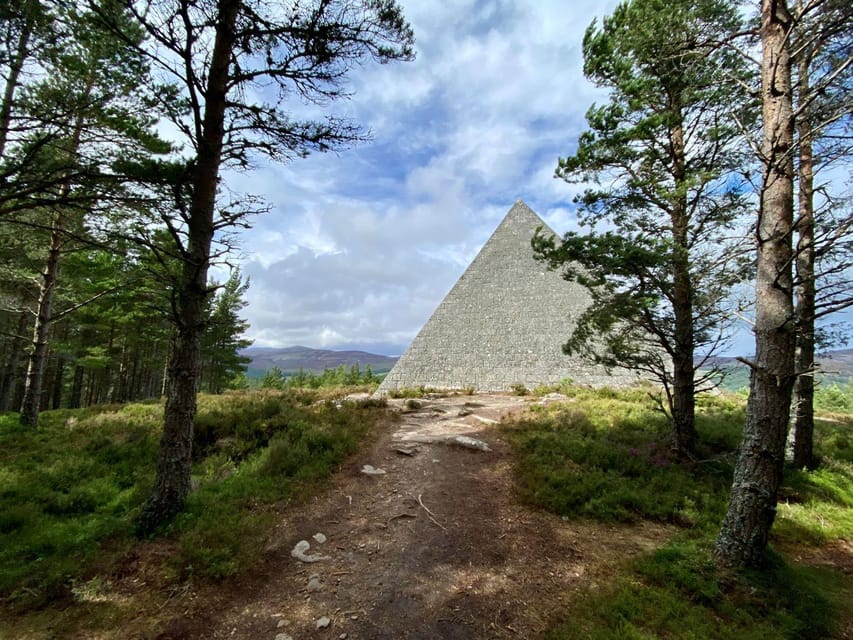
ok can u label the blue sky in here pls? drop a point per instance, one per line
(360, 247)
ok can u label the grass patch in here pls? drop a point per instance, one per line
(816, 507)
(69, 490)
(604, 455)
(677, 592)
(66, 490)
(410, 392)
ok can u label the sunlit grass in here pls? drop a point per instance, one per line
(678, 592)
(603, 455)
(70, 489)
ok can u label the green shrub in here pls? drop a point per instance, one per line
(678, 592)
(371, 403)
(816, 506)
(223, 527)
(835, 397)
(65, 489)
(407, 392)
(69, 490)
(608, 459)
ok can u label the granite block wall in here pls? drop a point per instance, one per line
(503, 323)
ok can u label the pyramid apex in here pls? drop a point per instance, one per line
(520, 215)
(521, 207)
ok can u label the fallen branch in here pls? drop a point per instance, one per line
(430, 514)
(401, 515)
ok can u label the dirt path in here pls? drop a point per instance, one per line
(436, 547)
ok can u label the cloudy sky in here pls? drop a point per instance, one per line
(360, 247)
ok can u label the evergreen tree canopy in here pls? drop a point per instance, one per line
(659, 163)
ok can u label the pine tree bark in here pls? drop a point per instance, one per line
(684, 402)
(13, 75)
(803, 426)
(758, 471)
(31, 403)
(89, 397)
(174, 461)
(57, 386)
(684, 396)
(10, 374)
(118, 392)
(76, 397)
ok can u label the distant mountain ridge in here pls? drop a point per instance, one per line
(291, 359)
(834, 366)
(838, 362)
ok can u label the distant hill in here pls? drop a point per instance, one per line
(290, 359)
(835, 366)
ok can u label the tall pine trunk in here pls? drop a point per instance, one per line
(684, 397)
(684, 402)
(10, 373)
(803, 427)
(758, 471)
(174, 461)
(58, 383)
(76, 398)
(30, 405)
(13, 74)
(47, 287)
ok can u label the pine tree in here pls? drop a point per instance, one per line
(226, 49)
(273, 379)
(758, 470)
(823, 70)
(663, 153)
(95, 84)
(222, 338)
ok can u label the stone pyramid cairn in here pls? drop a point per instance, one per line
(503, 323)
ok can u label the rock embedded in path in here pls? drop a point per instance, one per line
(319, 538)
(299, 552)
(283, 636)
(552, 397)
(469, 443)
(459, 440)
(357, 397)
(370, 470)
(406, 451)
(314, 584)
(323, 622)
